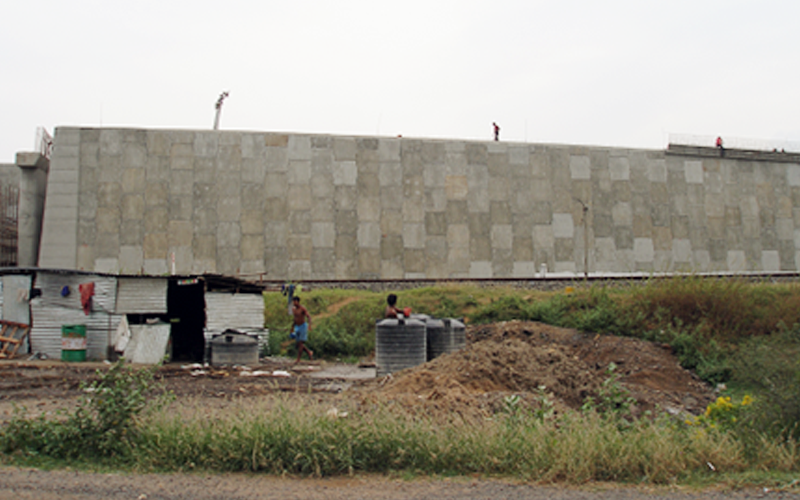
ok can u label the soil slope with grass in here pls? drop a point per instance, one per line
(533, 360)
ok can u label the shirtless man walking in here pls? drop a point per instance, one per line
(301, 327)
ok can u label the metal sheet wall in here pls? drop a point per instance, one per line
(51, 284)
(16, 290)
(141, 296)
(46, 331)
(228, 310)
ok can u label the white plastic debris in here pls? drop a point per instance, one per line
(281, 373)
(193, 366)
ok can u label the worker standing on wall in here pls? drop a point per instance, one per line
(496, 131)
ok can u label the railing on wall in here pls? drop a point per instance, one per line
(710, 141)
(44, 142)
(9, 215)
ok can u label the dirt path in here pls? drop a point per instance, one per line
(29, 484)
(333, 309)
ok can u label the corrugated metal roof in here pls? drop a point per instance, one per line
(45, 335)
(141, 296)
(227, 310)
(51, 285)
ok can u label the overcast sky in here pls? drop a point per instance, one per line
(614, 73)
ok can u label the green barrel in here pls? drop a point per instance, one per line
(73, 342)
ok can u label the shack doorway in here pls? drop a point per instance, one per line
(186, 309)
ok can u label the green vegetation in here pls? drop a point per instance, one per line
(104, 425)
(726, 330)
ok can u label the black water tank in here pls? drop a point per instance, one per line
(438, 338)
(234, 349)
(458, 334)
(399, 344)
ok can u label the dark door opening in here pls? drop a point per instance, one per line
(186, 308)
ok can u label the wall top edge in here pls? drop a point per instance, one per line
(354, 136)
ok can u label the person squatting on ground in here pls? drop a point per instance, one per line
(392, 311)
(302, 323)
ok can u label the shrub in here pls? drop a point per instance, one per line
(770, 366)
(104, 423)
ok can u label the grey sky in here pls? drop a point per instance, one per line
(616, 73)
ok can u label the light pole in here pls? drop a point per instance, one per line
(218, 106)
(585, 239)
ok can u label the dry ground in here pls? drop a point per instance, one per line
(500, 359)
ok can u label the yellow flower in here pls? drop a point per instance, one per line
(746, 400)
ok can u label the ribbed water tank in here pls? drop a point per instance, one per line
(399, 344)
(458, 334)
(234, 349)
(438, 338)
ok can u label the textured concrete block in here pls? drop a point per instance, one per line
(180, 233)
(391, 199)
(414, 260)
(480, 269)
(622, 215)
(770, 261)
(155, 246)
(413, 211)
(369, 235)
(524, 269)
(299, 172)
(276, 159)
(502, 263)
(737, 262)
(693, 171)
(345, 173)
(502, 236)
(346, 269)
(580, 167)
(345, 247)
(369, 263)
(458, 262)
(435, 200)
(480, 248)
(563, 226)
(391, 247)
(436, 223)
(323, 263)
(344, 149)
(299, 197)
(323, 235)
(369, 209)
(299, 247)
(619, 168)
(564, 249)
(131, 259)
(643, 249)
(456, 187)
(132, 207)
(299, 147)
(414, 235)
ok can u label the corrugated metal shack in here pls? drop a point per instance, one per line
(188, 306)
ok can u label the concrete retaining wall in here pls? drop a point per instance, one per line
(296, 206)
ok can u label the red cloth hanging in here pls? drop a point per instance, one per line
(87, 291)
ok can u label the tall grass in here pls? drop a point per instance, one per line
(577, 448)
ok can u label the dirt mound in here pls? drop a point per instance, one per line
(525, 358)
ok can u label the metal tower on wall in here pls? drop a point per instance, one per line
(218, 106)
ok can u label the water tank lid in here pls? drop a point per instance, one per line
(454, 323)
(391, 322)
